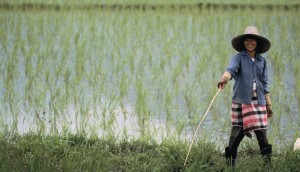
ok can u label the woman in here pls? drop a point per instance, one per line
(251, 104)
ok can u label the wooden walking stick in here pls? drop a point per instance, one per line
(200, 124)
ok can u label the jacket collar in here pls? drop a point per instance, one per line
(258, 56)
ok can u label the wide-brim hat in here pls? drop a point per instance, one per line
(263, 44)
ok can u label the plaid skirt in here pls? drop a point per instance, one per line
(249, 116)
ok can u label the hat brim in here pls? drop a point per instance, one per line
(263, 44)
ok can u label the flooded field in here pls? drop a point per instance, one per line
(136, 73)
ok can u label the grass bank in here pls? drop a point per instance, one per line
(79, 153)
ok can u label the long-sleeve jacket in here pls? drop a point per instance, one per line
(244, 71)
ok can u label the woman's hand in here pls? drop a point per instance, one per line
(225, 78)
(222, 83)
(269, 105)
(269, 111)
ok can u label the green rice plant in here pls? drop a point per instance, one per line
(152, 2)
(160, 68)
(297, 76)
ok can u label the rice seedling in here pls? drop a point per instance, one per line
(153, 1)
(140, 80)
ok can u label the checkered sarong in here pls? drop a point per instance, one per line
(249, 116)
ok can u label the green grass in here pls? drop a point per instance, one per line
(80, 153)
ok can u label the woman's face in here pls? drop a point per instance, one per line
(250, 44)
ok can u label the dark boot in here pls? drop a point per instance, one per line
(266, 152)
(236, 137)
(230, 157)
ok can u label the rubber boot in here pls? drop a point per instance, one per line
(235, 139)
(230, 157)
(266, 152)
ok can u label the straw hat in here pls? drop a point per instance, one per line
(263, 44)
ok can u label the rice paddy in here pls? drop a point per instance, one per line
(142, 78)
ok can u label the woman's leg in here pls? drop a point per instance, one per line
(265, 147)
(235, 139)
